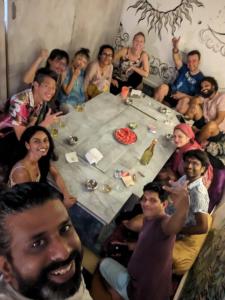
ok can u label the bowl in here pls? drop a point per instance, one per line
(106, 188)
(132, 125)
(169, 136)
(163, 110)
(91, 184)
(72, 140)
(128, 101)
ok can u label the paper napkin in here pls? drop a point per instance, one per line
(135, 93)
(71, 157)
(93, 156)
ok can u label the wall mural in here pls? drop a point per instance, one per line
(121, 38)
(160, 18)
(163, 70)
(213, 40)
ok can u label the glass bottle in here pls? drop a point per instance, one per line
(148, 153)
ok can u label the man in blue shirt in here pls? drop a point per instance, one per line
(186, 84)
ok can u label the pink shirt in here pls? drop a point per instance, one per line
(212, 106)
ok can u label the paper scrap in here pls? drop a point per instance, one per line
(71, 157)
(136, 93)
(93, 156)
(128, 180)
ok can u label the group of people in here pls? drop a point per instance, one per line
(40, 252)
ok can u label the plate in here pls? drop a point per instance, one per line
(125, 136)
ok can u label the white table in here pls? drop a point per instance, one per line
(94, 127)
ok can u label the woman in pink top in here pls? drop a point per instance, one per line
(99, 73)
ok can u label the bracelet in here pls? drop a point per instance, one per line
(175, 50)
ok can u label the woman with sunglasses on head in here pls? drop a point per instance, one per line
(99, 73)
(36, 152)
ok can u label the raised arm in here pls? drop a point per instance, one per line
(180, 197)
(176, 54)
(68, 86)
(89, 74)
(30, 73)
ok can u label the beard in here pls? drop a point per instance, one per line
(207, 93)
(42, 288)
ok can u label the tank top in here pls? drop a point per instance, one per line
(120, 70)
(11, 183)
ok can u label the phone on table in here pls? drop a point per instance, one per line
(181, 118)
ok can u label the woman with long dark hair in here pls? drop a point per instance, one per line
(37, 151)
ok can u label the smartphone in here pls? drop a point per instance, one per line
(181, 118)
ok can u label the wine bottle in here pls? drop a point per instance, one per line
(148, 153)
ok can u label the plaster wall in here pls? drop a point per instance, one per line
(2, 54)
(65, 24)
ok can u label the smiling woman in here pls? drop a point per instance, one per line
(160, 16)
(37, 149)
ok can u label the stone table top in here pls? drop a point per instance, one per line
(94, 128)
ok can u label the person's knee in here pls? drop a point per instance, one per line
(162, 90)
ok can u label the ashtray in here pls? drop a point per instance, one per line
(169, 136)
(91, 184)
(128, 101)
(163, 110)
(106, 188)
(132, 125)
(72, 140)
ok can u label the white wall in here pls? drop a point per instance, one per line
(65, 24)
(197, 16)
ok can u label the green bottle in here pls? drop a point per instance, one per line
(148, 153)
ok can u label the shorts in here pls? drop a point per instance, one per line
(168, 98)
(200, 123)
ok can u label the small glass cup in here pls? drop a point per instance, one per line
(54, 132)
(79, 107)
(124, 92)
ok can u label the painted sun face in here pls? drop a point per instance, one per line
(161, 16)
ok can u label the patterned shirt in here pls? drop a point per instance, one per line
(199, 199)
(21, 110)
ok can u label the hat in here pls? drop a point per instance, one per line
(186, 129)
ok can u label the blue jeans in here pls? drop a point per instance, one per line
(116, 275)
